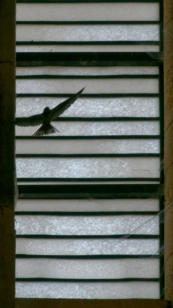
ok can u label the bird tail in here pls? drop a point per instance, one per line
(45, 130)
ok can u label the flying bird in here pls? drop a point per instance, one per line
(47, 116)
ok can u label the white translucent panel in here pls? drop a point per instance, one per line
(109, 85)
(83, 225)
(87, 247)
(88, 205)
(98, 128)
(78, 70)
(86, 146)
(66, 268)
(88, 167)
(87, 48)
(92, 107)
(87, 33)
(88, 11)
(89, 290)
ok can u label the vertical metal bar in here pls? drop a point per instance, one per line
(7, 170)
(161, 246)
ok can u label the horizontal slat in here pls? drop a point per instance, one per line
(88, 205)
(84, 1)
(81, 191)
(87, 225)
(76, 181)
(92, 107)
(73, 47)
(87, 213)
(114, 70)
(145, 85)
(98, 128)
(86, 146)
(86, 246)
(89, 155)
(87, 33)
(88, 11)
(82, 22)
(92, 59)
(87, 269)
(88, 290)
(97, 137)
(78, 237)
(88, 167)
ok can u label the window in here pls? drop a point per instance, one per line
(89, 220)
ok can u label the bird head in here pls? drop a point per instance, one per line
(46, 111)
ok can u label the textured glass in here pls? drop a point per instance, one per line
(87, 247)
(88, 167)
(78, 70)
(87, 146)
(87, 33)
(66, 268)
(88, 290)
(109, 85)
(134, 224)
(87, 48)
(88, 205)
(98, 128)
(92, 107)
(88, 11)
(89, 128)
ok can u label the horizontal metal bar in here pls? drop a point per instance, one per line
(20, 43)
(32, 256)
(49, 196)
(41, 279)
(106, 119)
(86, 22)
(101, 213)
(29, 155)
(99, 137)
(139, 179)
(102, 95)
(88, 59)
(67, 237)
(92, 191)
(127, 76)
(102, 119)
(86, 1)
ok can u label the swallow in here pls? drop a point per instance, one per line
(47, 116)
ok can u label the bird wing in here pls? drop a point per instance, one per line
(54, 113)
(58, 110)
(30, 121)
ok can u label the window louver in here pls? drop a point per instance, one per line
(89, 220)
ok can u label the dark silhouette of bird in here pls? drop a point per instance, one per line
(47, 116)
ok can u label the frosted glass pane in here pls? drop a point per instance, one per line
(78, 70)
(87, 247)
(89, 290)
(88, 167)
(98, 128)
(87, 33)
(87, 48)
(148, 224)
(87, 146)
(91, 85)
(63, 268)
(88, 11)
(88, 205)
(92, 107)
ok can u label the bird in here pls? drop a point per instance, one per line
(47, 116)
